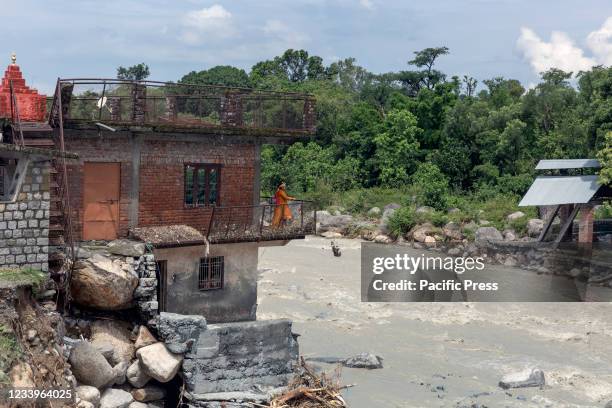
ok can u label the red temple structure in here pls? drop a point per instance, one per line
(32, 106)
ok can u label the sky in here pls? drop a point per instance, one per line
(487, 38)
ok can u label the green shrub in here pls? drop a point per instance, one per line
(432, 186)
(402, 221)
(9, 352)
(519, 225)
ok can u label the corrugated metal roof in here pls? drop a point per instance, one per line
(561, 190)
(568, 164)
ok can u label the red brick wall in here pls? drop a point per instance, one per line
(162, 180)
(161, 198)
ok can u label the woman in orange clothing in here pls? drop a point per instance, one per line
(282, 212)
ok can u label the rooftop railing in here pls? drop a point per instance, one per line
(148, 102)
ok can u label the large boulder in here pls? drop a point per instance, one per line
(534, 227)
(158, 362)
(150, 393)
(387, 214)
(114, 398)
(528, 378)
(180, 332)
(329, 222)
(89, 366)
(364, 360)
(484, 234)
(374, 212)
(126, 247)
(117, 334)
(89, 394)
(102, 283)
(144, 337)
(421, 232)
(136, 375)
(452, 231)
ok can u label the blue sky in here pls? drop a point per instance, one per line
(510, 38)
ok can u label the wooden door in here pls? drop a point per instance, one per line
(101, 189)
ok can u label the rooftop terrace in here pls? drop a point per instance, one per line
(174, 106)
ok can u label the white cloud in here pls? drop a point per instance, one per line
(560, 52)
(367, 4)
(290, 37)
(213, 21)
(600, 43)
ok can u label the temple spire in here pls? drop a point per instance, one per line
(14, 58)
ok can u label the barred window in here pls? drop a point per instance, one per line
(211, 273)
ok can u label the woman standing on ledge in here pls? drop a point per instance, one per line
(282, 212)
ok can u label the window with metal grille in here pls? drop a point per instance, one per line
(202, 182)
(211, 273)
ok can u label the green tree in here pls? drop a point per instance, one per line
(396, 148)
(223, 75)
(432, 185)
(605, 157)
(136, 72)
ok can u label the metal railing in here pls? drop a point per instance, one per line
(150, 102)
(250, 223)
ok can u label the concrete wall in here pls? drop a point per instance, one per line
(237, 301)
(240, 357)
(24, 222)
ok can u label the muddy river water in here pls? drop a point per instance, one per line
(436, 354)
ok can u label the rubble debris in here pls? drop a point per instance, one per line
(115, 398)
(126, 247)
(165, 235)
(527, 378)
(158, 362)
(308, 390)
(90, 367)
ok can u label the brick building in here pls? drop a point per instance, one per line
(177, 166)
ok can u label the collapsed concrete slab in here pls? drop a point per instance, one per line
(243, 356)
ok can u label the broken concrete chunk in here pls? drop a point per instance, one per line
(89, 394)
(126, 247)
(364, 360)
(527, 378)
(89, 366)
(136, 375)
(150, 393)
(159, 363)
(114, 398)
(144, 338)
(180, 332)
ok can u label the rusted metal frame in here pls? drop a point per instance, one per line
(548, 224)
(15, 106)
(568, 223)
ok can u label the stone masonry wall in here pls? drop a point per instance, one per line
(241, 357)
(24, 224)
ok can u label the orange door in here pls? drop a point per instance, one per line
(101, 190)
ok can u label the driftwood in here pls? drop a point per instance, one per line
(309, 390)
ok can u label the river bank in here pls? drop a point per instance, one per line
(436, 355)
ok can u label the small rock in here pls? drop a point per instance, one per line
(159, 363)
(150, 393)
(115, 398)
(515, 216)
(484, 222)
(126, 248)
(364, 360)
(32, 334)
(455, 251)
(374, 212)
(144, 338)
(454, 210)
(85, 404)
(527, 378)
(425, 209)
(331, 234)
(421, 232)
(89, 394)
(430, 241)
(392, 206)
(137, 404)
(382, 239)
(509, 235)
(452, 230)
(136, 375)
(120, 372)
(609, 404)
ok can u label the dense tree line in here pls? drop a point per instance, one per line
(398, 128)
